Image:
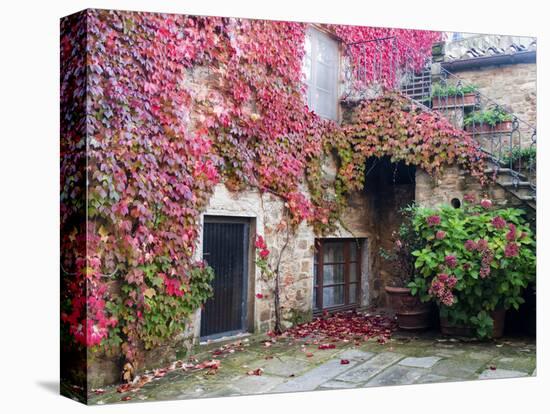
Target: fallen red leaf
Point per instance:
(126, 398)
(309, 355)
(257, 371)
(212, 364)
(344, 361)
(492, 367)
(327, 346)
(123, 388)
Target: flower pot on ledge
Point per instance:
(500, 127)
(498, 315)
(454, 101)
(411, 313)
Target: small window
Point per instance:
(337, 274)
(320, 68)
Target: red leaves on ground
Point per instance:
(309, 354)
(257, 372)
(138, 382)
(229, 348)
(327, 346)
(344, 361)
(159, 373)
(126, 398)
(492, 367)
(344, 326)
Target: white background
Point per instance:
(29, 142)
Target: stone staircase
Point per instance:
(516, 177)
(510, 144)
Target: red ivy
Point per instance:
(156, 147)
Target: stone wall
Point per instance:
(513, 86)
(297, 249)
(454, 183)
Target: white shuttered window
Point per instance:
(321, 73)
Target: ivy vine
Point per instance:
(156, 147)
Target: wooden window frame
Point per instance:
(318, 285)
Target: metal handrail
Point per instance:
(406, 73)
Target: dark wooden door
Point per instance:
(225, 249)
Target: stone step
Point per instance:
(516, 184)
(506, 171)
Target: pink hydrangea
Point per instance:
(441, 288)
(486, 259)
(511, 250)
(448, 299)
(469, 245)
(511, 235)
(498, 222)
(440, 235)
(451, 281)
(469, 198)
(482, 245)
(433, 220)
(486, 203)
(450, 261)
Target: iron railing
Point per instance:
(385, 63)
(509, 141)
(389, 63)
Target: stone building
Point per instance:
(348, 261)
(343, 270)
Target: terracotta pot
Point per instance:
(411, 313)
(500, 127)
(499, 316)
(447, 328)
(439, 102)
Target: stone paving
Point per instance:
(288, 366)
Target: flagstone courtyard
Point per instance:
(260, 364)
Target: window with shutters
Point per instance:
(321, 69)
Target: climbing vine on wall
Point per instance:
(390, 126)
(175, 104)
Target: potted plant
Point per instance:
(490, 121)
(520, 158)
(411, 313)
(475, 264)
(450, 96)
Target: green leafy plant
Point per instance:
(476, 259)
(404, 241)
(452, 90)
(525, 155)
(490, 117)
